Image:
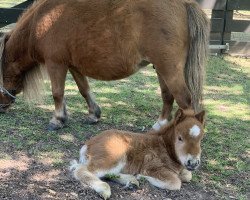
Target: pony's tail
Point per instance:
(199, 29)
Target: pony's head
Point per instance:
(188, 133)
(10, 84)
(17, 74)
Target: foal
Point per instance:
(164, 158)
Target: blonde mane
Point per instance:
(33, 84)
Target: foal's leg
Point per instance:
(168, 101)
(185, 175)
(94, 109)
(126, 179)
(163, 179)
(57, 75)
(82, 174)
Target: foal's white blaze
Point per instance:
(160, 123)
(195, 131)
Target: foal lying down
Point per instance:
(164, 158)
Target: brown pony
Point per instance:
(106, 40)
(165, 157)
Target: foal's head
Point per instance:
(188, 135)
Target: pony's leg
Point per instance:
(163, 179)
(185, 175)
(57, 78)
(126, 179)
(168, 101)
(172, 72)
(82, 174)
(94, 109)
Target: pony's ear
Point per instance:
(179, 116)
(201, 116)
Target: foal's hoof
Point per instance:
(132, 183)
(91, 119)
(54, 127)
(104, 191)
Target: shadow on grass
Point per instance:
(131, 104)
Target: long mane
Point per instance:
(33, 79)
(33, 84)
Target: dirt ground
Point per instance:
(24, 177)
(32, 180)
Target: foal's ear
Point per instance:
(201, 116)
(179, 116)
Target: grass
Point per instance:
(134, 104)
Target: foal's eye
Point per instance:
(180, 138)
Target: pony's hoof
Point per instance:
(91, 120)
(53, 127)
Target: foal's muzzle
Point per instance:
(192, 164)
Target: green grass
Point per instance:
(134, 104)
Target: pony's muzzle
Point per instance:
(192, 164)
(3, 110)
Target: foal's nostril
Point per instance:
(192, 164)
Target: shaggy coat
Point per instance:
(162, 157)
(106, 40)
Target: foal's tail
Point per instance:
(199, 28)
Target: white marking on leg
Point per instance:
(102, 188)
(160, 123)
(73, 165)
(127, 180)
(185, 175)
(83, 155)
(162, 184)
(115, 170)
(195, 131)
(82, 174)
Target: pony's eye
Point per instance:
(180, 138)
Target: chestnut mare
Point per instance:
(165, 158)
(106, 40)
